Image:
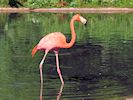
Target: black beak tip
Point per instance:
(86, 23)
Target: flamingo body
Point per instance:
(52, 41)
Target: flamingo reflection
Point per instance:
(59, 93)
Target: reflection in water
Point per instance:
(98, 67)
(86, 56)
(13, 17)
(41, 91)
(59, 93)
(51, 95)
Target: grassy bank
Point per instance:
(71, 3)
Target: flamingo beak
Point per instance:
(83, 20)
(86, 23)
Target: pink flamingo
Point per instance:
(54, 41)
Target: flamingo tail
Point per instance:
(34, 50)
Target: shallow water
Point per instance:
(98, 67)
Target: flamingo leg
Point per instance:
(41, 88)
(41, 76)
(58, 69)
(40, 66)
(60, 92)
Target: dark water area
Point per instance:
(98, 67)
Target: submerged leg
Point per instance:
(60, 92)
(40, 66)
(41, 88)
(41, 76)
(58, 69)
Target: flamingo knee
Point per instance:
(58, 70)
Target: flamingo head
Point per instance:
(80, 19)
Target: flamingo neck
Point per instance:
(73, 35)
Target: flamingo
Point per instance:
(54, 41)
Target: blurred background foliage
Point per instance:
(71, 3)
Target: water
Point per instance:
(98, 67)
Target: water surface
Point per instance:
(98, 67)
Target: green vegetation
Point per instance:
(19, 74)
(3, 3)
(72, 3)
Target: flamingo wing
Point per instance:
(52, 40)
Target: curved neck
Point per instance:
(73, 35)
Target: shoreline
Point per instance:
(68, 10)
